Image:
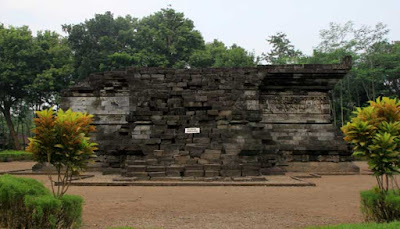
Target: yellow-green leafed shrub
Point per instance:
(26, 203)
(62, 139)
(374, 133)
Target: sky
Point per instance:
(247, 23)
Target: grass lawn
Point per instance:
(14, 155)
(392, 225)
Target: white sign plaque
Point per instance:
(192, 130)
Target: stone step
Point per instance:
(135, 162)
(157, 174)
(137, 174)
(136, 168)
(194, 173)
(155, 168)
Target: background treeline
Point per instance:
(35, 68)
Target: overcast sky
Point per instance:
(244, 22)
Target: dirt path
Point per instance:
(334, 200)
(16, 165)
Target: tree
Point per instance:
(216, 54)
(55, 68)
(16, 66)
(283, 52)
(167, 39)
(386, 59)
(366, 81)
(31, 69)
(62, 139)
(96, 40)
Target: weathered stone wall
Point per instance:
(250, 119)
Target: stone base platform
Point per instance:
(323, 168)
(115, 180)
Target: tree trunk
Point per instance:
(341, 103)
(14, 136)
(23, 134)
(333, 105)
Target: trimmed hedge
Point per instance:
(26, 203)
(378, 206)
(15, 155)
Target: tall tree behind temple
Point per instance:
(96, 40)
(31, 70)
(216, 54)
(164, 39)
(375, 69)
(282, 52)
(167, 39)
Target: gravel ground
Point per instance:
(334, 200)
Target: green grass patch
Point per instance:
(392, 225)
(15, 155)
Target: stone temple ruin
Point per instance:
(155, 122)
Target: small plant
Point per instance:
(62, 140)
(26, 203)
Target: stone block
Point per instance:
(231, 173)
(157, 174)
(176, 168)
(138, 174)
(213, 112)
(152, 168)
(212, 167)
(158, 153)
(174, 174)
(194, 167)
(211, 154)
(202, 161)
(151, 161)
(250, 172)
(211, 173)
(194, 173)
(136, 168)
(201, 140)
(182, 159)
(136, 162)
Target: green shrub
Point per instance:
(15, 155)
(380, 206)
(26, 203)
(392, 225)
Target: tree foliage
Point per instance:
(375, 70)
(31, 70)
(282, 52)
(96, 40)
(167, 39)
(62, 140)
(216, 54)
